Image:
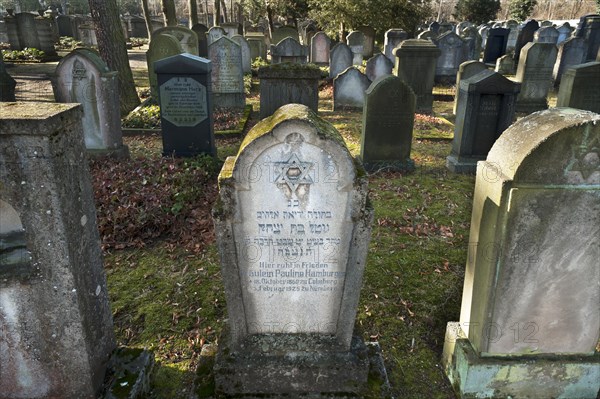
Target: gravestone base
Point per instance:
(306, 365)
(115, 153)
(458, 164)
(229, 100)
(528, 107)
(551, 376)
(128, 375)
(396, 166)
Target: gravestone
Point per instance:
(231, 29)
(415, 65)
(65, 27)
(227, 76)
(535, 75)
(161, 46)
(87, 34)
(388, 118)
(483, 32)
(496, 45)
(258, 45)
(434, 27)
(526, 34)
(293, 225)
(7, 84)
(465, 71)
(564, 32)
(289, 50)
(138, 27)
(530, 298)
(377, 66)
(426, 35)
(201, 32)
(570, 52)
(57, 332)
(369, 43)
(215, 33)
(188, 39)
(453, 52)
(3, 32)
(545, 24)
(45, 33)
(461, 26)
(186, 112)
(307, 32)
(592, 36)
(356, 41)
(580, 87)
(26, 31)
(83, 77)
(246, 61)
(286, 83)
(472, 43)
(340, 59)
(547, 34)
(486, 107)
(393, 38)
(505, 65)
(581, 25)
(349, 89)
(320, 45)
(511, 41)
(284, 32)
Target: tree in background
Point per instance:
(168, 9)
(112, 49)
(477, 11)
(521, 9)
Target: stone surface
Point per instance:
(26, 31)
(535, 75)
(465, 71)
(7, 84)
(286, 83)
(388, 118)
(246, 61)
(289, 50)
(495, 46)
(293, 227)
(349, 89)
(83, 77)
(570, 53)
(202, 34)
(415, 65)
(472, 40)
(65, 27)
(227, 76)
(369, 42)
(526, 33)
(453, 52)
(161, 46)
(215, 33)
(580, 87)
(564, 33)
(319, 48)
(393, 38)
(56, 319)
(592, 36)
(547, 34)
(377, 66)
(505, 65)
(340, 59)
(486, 107)
(284, 32)
(45, 32)
(184, 82)
(187, 38)
(356, 41)
(258, 45)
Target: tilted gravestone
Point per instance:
(161, 46)
(486, 107)
(495, 46)
(535, 74)
(246, 61)
(427, 35)
(453, 52)
(465, 71)
(340, 59)
(186, 113)
(83, 77)
(320, 45)
(529, 322)
(188, 39)
(286, 83)
(349, 89)
(377, 66)
(293, 226)
(356, 41)
(393, 38)
(415, 65)
(57, 334)
(289, 50)
(580, 87)
(227, 76)
(7, 84)
(571, 52)
(388, 118)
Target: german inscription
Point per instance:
(183, 101)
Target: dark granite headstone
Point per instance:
(465, 71)
(525, 36)
(201, 31)
(592, 36)
(535, 75)
(186, 115)
(570, 52)
(65, 27)
(495, 46)
(580, 87)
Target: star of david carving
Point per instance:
(293, 172)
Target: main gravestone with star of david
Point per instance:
(293, 226)
(185, 105)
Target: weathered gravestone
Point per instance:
(495, 46)
(87, 33)
(369, 43)
(232, 28)
(580, 87)
(505, 65)
(483, 32)
(377, 66)
(215, 33)
(201, 32)
(7, 84)
(486, 107)
(535, 74)
(246, 61)
(526, 33)
(564, 32)
(258, 45)
(511, 41)
(57, 335)
(320, 45)
(465, 71)
(547, 34)
(340, 59)
(293, 226)
(453, 52)
(289, 50)
(188, 39)
(161, 46)
(592, 36)
(349, 89)
(284, 32)
(65, 27)
(388, 118)
(472, 40)
(45, 32)
(426, 35)
(137, 27)
(186, 115)
(393, 38)
(286, 83)
(227, 76)
(83, 77)
(529, 321)
(26, 31)
(570, 53)
(356, 41)
(415, 65)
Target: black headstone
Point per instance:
(185, 99)
(495, 46)
(201, 31)
(525, 36)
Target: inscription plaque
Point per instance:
(183, 101)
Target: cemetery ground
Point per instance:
(163, 270)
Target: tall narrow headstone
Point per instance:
(465, 71)
(526, 33)
(580, 87)
(486, 107)
(356, 41)
(453, 52)
(513, 27)
(340, 59)
(227, 76)
(570, 53)
(319, 48)
(415, 65)
(161, 46)
(65, 27)
(45, 32)
(246, 61)
(377, 66)
(529, 322)
(472, 40)
(293, 226)
(369, 43)
(393, 38)
(349, 89)
(388, 118)
(535, 75)
(57, 334)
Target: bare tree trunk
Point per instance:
(193, 7)
(206, 10)
(168, 9)
(225, 19)
(217, 14)
(146, 12)
(65, 7)
(270, 19)
(111, 45)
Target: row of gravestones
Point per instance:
(293, 224)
